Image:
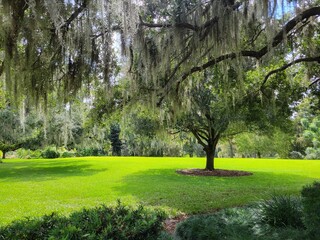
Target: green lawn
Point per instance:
(36, 187)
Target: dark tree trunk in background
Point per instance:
(3, 155)
(259, 154)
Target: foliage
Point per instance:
(311, 204)
(28, 154)
(10, 134)
(67, 154)
(50, 153)
(282, 211)
(19, 130)
(259, 144)
(84, 152)
(115, 139)
(63, 122)
(102, 222)
(311, 134)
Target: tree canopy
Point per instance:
(213, 60)
(62, 44)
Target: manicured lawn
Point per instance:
(37, 187)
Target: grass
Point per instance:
(37, 187)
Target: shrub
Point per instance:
(102, 222)
(311, 204)
(296, 155)
(50, 153)
(232, 223)
(28, 154)
(85, 152)
(282, 211)
(67, 155)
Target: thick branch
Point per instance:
(284, 67)
(200, 141)
(289, 26)
(314, 82)
(75, 14)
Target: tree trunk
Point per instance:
(259, 154)
(231, 148)
(3, 154)
(210, 153)
(210, 159)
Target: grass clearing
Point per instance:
(41, 186)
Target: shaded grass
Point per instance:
(37, 187)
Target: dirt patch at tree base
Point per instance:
(216, 172)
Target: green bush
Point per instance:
(103, 222)
(85, 152)
(234, 223)
(28, 154)
(50, 153)
(67, 155)
(282, 211)
(311, 204)
(240, 223)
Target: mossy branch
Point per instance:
(284, 67)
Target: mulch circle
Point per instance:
(216, 172)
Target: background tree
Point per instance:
(14, 134)
(115, 139)
(311, 135)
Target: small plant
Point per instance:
(67, 154)
(282, 211)
(311, 204)
(50, 153)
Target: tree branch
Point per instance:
(74, 15)
(284, 67)
(169, 25)
(314, 82)
(200, 141)
(1, 68)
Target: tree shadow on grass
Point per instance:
(43, 171)
(195, 194)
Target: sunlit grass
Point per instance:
(37, 187)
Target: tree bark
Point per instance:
(3, 154)
(231, 148)
(210, 159)
(210, 153)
